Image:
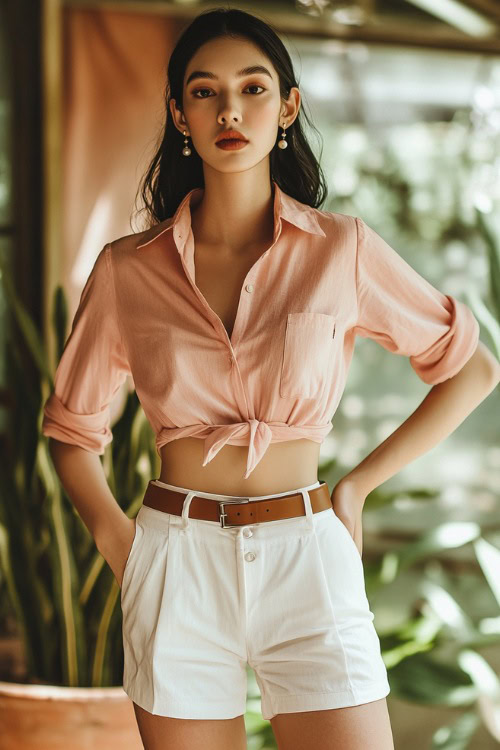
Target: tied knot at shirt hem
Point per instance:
(253, 432)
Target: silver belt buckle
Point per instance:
(222, 515)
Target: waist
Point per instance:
(285, 466)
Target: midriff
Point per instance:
(284, 466)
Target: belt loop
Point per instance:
(185, 510)
(308, 509)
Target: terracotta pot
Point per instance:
(51, 717)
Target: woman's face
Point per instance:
(220, 99)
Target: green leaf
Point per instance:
(448, 610)
(424, 679)
(480, 672)
(488, 557)
(456, 736)
(28, 329)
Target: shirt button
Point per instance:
(249, 287)
(247, 532)
(249, 557)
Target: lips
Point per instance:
(231, 135)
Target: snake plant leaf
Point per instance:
(12, 590)
(101, 659)
(65, 580)
(66, 593)
(91, 577)
(27, 396)
(26, 324)
(20, 562)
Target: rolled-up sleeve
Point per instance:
(92, 366)
(406, 315)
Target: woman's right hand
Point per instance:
(117, 546)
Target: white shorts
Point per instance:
(287, 597)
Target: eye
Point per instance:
(196, 91)
(250, 86)
(255, 86)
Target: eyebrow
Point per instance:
(250, 70)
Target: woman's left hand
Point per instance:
(348, 503)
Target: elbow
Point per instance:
(488, 365)
(482, 367)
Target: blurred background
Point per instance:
(406, 97)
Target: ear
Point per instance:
(178, 117)
(290, 108)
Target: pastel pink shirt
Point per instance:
(326, 278)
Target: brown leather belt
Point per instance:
(240, 511)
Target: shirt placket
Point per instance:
(247, 297)
(248, 292)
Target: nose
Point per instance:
(232, 118)
(229, 113)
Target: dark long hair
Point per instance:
(171, 175)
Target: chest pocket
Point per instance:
(309, 338)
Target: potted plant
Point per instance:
(63, 595)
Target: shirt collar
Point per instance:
(285, 207)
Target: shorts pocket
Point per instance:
(307, 349)
(138, 533)
(342, 562)
(347, 533)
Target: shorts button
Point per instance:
(249, 556)
(249, 287)
(247, 532)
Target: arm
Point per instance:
(76, 416)
(82, 476)
(406, 315)
(444, 408)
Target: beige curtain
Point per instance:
(114, 80)
(113, 101)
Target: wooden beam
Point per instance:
(386, 30)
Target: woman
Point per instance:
(236, 314)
